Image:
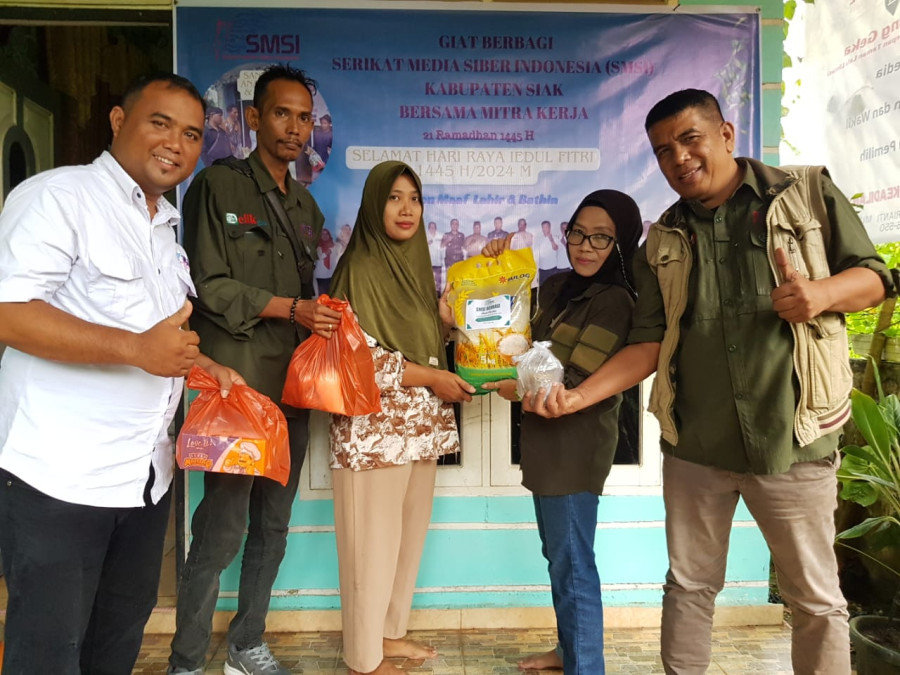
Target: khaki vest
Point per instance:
(820, 355)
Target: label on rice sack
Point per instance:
(223, 454)
(491, 303)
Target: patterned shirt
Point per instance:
(413, 424)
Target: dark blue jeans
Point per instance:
(218, 531)
(567, 525)
(82, 581)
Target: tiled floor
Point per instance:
(736, 651)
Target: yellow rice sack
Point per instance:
(491, 302)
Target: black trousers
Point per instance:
(230, 506)
(82, 581)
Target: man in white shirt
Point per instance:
(93, 290)
(522, 237)
(546, 250)
(475, 241)
(562, 253)
(437, 254)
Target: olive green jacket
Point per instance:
(574, 453)
(240, 259)
(820, 351)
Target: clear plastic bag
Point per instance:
(538, 368)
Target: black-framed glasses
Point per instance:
(598, 241)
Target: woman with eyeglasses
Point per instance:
(585, 314)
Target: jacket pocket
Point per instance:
(250, 256)
(670, 251)
(762, 271)
(812, 249)
(592, 349)
(828, 368)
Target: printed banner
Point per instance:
(850, 98)
(509, 118)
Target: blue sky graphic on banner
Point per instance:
(515, 115)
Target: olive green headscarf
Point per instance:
(390, 284)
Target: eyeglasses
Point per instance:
(598, 241)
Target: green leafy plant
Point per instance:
(866, 321)
(870, 474)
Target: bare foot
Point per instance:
(408, 649)
(384, 668)
(546, 661)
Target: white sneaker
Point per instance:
(253, 661)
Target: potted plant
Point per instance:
(870, 476)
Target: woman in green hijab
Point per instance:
(384, 464)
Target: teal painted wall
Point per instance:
(500, 564)
(492, 557)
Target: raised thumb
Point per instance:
(784, 265)
(182, 315)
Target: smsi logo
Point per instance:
(272, 44)
(236, 40)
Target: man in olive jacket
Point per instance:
(250, 232)
(734, 311)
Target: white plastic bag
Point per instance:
(537, 369)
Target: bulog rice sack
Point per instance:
(491, 303)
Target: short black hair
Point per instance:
(138, 84)
(325, 117)
(679, 101)
(281, 71)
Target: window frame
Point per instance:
(485, 468)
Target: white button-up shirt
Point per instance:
(545, 253)
(81, 239)
(562, 255)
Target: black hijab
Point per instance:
(616, 270)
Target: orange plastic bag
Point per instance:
(335, 375)
(245, 433)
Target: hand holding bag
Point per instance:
(245, 433)
(334, 375)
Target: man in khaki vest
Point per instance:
(726, 298)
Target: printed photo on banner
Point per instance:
(507, 117)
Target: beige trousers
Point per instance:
(381, 518)
(795, 513)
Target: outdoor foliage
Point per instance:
(864, 322)
(870, 474)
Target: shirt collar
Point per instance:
(133, 192)
(750, 178)
(266, 183)
(749, 181)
